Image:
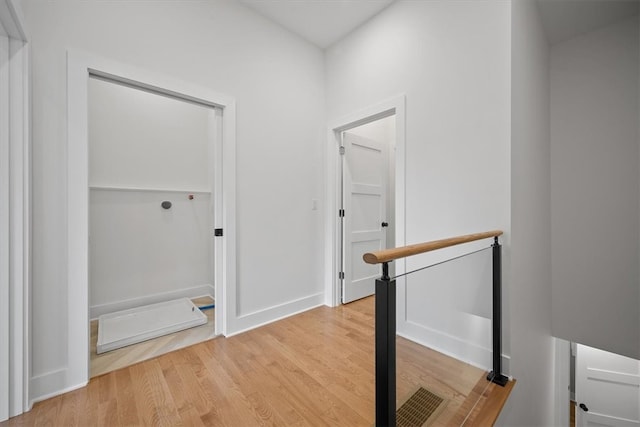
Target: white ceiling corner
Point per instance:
(324, 22)
(321, 22)
(564, 19)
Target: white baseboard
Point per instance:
(457, 348)
(268, 315)
(50, 384)
(53, 383)
(194, 292)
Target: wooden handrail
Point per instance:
(387, 255)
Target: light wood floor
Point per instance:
(126, 356)
(315, 368)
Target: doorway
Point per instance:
(81, 67)
(367, 212)
(393, 110)
(151, 257)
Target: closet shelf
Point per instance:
(156, 190)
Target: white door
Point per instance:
(365, 175)
(607, 389)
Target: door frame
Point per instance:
(562, 373)
(393, 106)
(80, 66)
(15, 211)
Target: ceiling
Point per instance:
(564, 19)
(322, 22)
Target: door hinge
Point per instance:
(341, 275)
(341, 213)
(342, 150)
(217, 232)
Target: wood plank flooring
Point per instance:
(315, 368)
(110, 361)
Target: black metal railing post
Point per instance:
(385, 323)
(496, 375)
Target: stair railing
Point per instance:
(385, 318)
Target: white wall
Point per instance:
(277, 82)
(143, 140)
(452, 60)
(532, 351)
(140, 253)
(595, 187)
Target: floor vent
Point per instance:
(420, 407)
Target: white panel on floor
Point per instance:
(123, 328)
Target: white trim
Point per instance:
(194, 97)
(561, 381)
(5, 228)
(77, 225)
(20, 226)
(80, 66)
(216, 176)
(15, 213)
(193, 292)
(395, 105)
(26, 172)
(226, 291)
(265, 316)
(48, 385)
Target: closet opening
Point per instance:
(152, 209)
